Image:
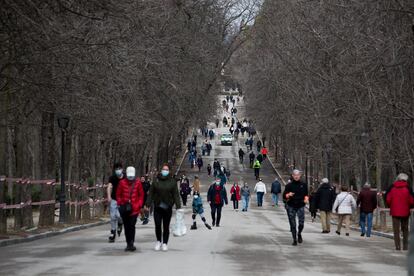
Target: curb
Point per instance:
(51, 233)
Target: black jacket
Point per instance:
(301, 191)
(276, 187)
(325, 197)
(211, 195)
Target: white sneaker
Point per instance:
(157, 246)
(164, 247)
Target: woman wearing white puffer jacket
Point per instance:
(343, 206)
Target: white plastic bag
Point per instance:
(179, 227)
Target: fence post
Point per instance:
(3, 213)
(27, 210)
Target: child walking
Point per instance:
(198, 210)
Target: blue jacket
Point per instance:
(198, 205)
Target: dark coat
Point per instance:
(211, 194)
(325, 197)
(276, 187)
(367, 199)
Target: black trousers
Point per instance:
(129, 227)
(216, 209)
(162, 217)
(235, 204)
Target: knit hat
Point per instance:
(130, 172)
(402, 176)
(325, 180)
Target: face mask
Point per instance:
(131, 177)
(217, 182)
(196, 196)
(165, 172)
(118, 172)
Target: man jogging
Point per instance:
(296, 195)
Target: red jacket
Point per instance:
(265, 151)
(123, 193)
(400, 199)
(237, 191)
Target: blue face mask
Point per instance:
(131, 178)
(165, 173)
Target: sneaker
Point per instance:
(208, 226)
(362, 234)
(157, 246)
(300, 240)
(164, 247)
(145, 222)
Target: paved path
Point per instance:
(254, 243)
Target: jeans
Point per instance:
(292, 213)
(260, 198)
(129, 226)
(245, 202)
(162, 216)
(115, 216)
(216, 208)
(235, 204)
(365, 217)
(275, 199)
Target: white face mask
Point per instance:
(196, 196)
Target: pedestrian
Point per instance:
(216, 167)
(199, 163)
(185, 189)
(231, 129)
(296, 196)
(260, 190)
(217, 122)
(164, 195)
(116, 220)
(130, 198)
(260, 158)
(324, 200)
(252, 156)
(259, 145)
(367, 201)
(189, 145)
(235, 195)
(209, 148)
(192, 158)
(209, 170)
(211, 134)
(196, 184)
(264, 152)
(245, 193)
(204, 148)
(198, 210)
(275, 191)
(146, 185)
(241, 155)
(312, 203)
(256, 167)
(343, 206)
(400, 200)
(222, 176)
(194, 144)
(225, 121)
(216, 197)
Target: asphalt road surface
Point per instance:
(257, 242)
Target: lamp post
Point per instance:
(329, 160)
(63, 123)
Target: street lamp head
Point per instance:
(63, 121)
